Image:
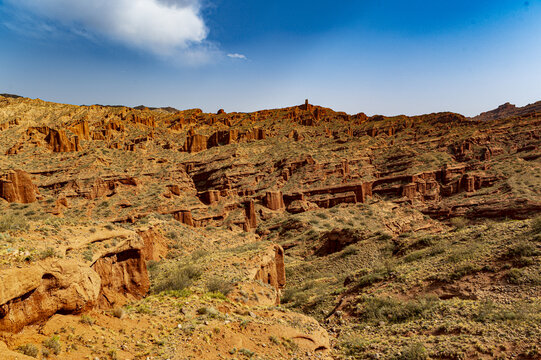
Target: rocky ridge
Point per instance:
(81, 184)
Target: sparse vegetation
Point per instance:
(177, 278)
(392, 310)
(53, 344)
(11, 222)
(29, 350)
(219, 285)
(87, 319)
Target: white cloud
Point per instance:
(164, 27)
(237, 56)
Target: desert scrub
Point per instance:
(87, 319)
(354, 346)
(379, 273)
(375, 309)
(415, 351)
(177, 278)
(520, 250)
(459, 222)
(47, 253)
(490, 311)
(219, 285)
(29, 350)
(295, 297)
(349, 250)
(12, 222)
(536, 225)
(53, 344)
(88, 254)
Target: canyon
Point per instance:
(299, 232)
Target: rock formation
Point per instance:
(195, 142)
(36, 293)
(16, 186)
(274, 200)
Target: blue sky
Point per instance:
(379, 57)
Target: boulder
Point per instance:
(35, 294)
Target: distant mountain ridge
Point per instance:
(508, 110)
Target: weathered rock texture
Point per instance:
(123, 272)
(35, 294)
(16, 186)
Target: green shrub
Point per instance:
(536, 225)
(88, 254)
(380, 273)
(178, 278)
(152, 265)
(219, 285)
(349, 250)
(515, 276)
(87, 319)
(393, 310)
(459, 222)
(12, 222)
(295, 297)
(198, 254)
(466, 269)
(47, 253)
(29, 350)
(354, 346)
(415, 351)
(521, 249)
(519, 311)
(53, 344)
(246, 352)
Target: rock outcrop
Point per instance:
(251, 217)
(59, 142)
(123, 272)
(16, 186)
(34, 294)
(195, 142)
(274, 200)
(271, 269)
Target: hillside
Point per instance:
(294, 233)
(508, 110)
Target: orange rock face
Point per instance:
(155, 245)
(59, 286)
(272, 270)
(195, 143)
(251, 219)
(58, 141)
(124, 276)
(16, 186)
(274, 200)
